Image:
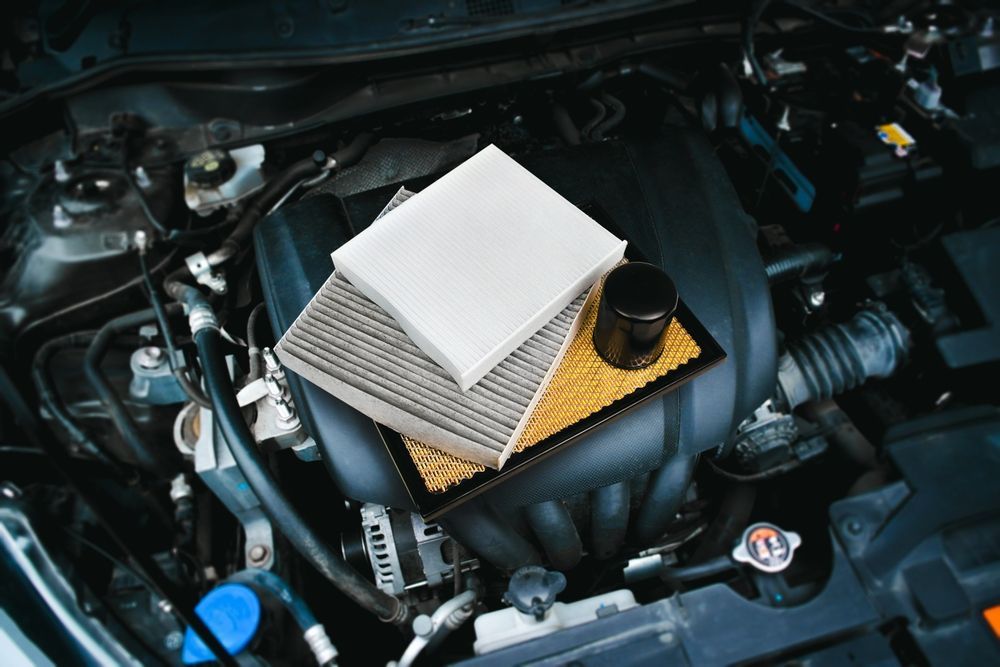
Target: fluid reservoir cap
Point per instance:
(636, 307)
(210, 169)
(766, 547)
(233, 613)
(532, 590)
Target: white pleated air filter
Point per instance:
(353, 349)
(472, 266)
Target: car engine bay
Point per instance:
(816, 179)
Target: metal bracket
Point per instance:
(203, 273)
(215, 465)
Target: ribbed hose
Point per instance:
(279, 509)
(797, 261)
(841, 357)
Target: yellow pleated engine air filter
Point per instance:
(582, 385)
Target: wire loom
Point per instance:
(582, 385)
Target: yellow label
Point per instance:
(893, 134)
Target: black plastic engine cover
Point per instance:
(672, 199)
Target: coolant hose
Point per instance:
(841, 357)
(553, 526)
(313, 631)
(798, 261)
(279, 509)
(664, 496)
(161, 461)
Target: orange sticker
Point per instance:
(762, 534)
(992, 616)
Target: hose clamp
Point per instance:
(202, 317)
(320, 644)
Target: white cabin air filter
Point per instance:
(472, 266)
(350, 347)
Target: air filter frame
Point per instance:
(432, 505)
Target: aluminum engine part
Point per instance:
(153, 381)
(215, 465)
(406, 553)
(276, 424)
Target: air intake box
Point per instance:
(671, 199)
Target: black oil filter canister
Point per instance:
(636, 306)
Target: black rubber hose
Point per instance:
(190, 389)
(664, 496)
(162, 461)
(609, 509)
(555, 530)
(599, 114)
(798, 261)
(668, 78)
(611, 122)
(757, 9)
(732, 518)
(565, 126)
(283, 515)
(284, 181)
(676, 577)
(116, 523)
(253, 350)
(49, 398)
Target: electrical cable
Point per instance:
(191, 390)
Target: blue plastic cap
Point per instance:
(232, 613)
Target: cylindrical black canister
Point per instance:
(636, 307)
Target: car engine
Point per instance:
(816, 180)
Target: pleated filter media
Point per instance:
(349, 346)
(477, 262)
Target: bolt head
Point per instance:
(817, 298)
(60, 218)
(852, 526)
(173, 641)
(60, 172)
(258, 553)
(423, 625)
(151, 357)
